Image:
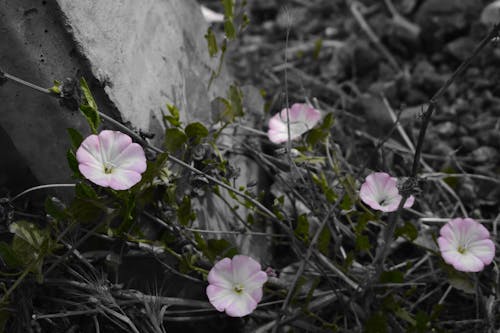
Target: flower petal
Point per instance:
(222, 274)
(220, 297)
(483, 249)
(113, 143)
(255, 282)
(244, 268)
(242, 305)
(131, 158)
(302, 118)
(468, 262)
(95, 174)
(121, 179)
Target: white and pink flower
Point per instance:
(466, 245)
(380, 192)
(235, 285)
(302, 118)
(111, 159)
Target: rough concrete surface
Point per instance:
(147, 54)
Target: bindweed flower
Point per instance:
(380, 192)
(111, 159)
(466, 245)
(235, 285)
(302, 119)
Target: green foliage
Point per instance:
(185, 214)
(302, 229)
(324, 241)
(89, 107)
(56, 88)
(73, 163)
(232, 106)
(175, 138)
(377, 323)
(30, 245)
(211, 42)
(196, 132)
(408, 230)
(318, 44)
(215, 248)
(76, 138)
(393, 276)
(174, 117)
(320, 133)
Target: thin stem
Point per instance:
(25, 83)
(40, 187)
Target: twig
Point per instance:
(41, 187)
(355, 5)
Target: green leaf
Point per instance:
(175, 138)
(362, 243)
(196, 132)
(56, 88)
(228, 8)
(393, 276)
(422, 321)
(377, 323)
(76, 138)
(89, 107)
(9, 256)
(346, 203)
(302, 228)
(85, 210)
(31, 244)
(219, 248)
(73, 162)
(236, 98)
(408, 231)
(54, 209)
(211, 42)
(462, 282)
(324, 241)
(184, 213)
(317, 48)
(229, 29)
(85, 191)
(4, 317)
(87, 95)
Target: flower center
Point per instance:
(108, 167)
(238, 288)
(461, 249)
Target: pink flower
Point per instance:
(111, 159)
(466, 245)
(236, 285)
(379, 191)
(302, 119)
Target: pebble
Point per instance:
(468, 143)
(446, 129)
(485, 154)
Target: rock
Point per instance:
(485, 154)
(425, 76)
(441, 148)
(443, 20)
(491, 14)
(461, 48)
(158, 56)
(468, 143)
(446, 129)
